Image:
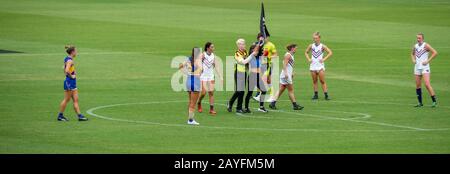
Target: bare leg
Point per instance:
(211, 92)
(76, 107)
(202, 92)
(426, 79)
(193, 100)
(280, 92)
(290, 89)
(322, 81)
(314, 80)
(418, 81)
(62, 106)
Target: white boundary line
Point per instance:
(405, 128)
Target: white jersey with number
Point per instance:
(421, 55)
(208, 67)
(316, 57)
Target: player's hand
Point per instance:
(309, 60)
(414, 61)
(425, 62)
(286, 74)
(321, 60)
(73, 76)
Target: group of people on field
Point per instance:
(252, 71)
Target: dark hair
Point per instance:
(250, 50)
(69, 49)
(290, 46)
(207, 45)
(259, 35)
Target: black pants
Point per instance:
(240, 79)
(255, 80)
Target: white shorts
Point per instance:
(422, 70)
(207, 77)
(316, 67)
(286, 81)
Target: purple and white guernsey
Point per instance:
(316, 57)
(421, 55)
(208, 67)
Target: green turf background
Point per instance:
(125, 52)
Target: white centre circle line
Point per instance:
(91, 112)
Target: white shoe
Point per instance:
(263, 110)
(193, 122)
(257, 98)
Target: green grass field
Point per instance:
(124, 74)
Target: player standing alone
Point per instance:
(286, 76)
(317, 66)
(207, 77)
(70, 86)
(421, 60)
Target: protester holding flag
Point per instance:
(268, 52)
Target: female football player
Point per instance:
(70, 85)
(421, 59)
(193, 68)
(317, 65)
(207, 77)
(286, 76)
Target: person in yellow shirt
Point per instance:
(240, 75)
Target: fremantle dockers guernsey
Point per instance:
(316, 56)
(208, 65)
(421, 53)
(289, 67)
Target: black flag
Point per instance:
(262, 23)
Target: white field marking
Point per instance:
(91, 112)
(386, 103)
(364, 115)
(377, 103)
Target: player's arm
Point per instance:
(329, 53)
(413, 56)
(182, 68)
(433, 54)
(67, 69)
(250, 57)
(287, 57)
(308, 49)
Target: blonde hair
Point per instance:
(316, 34)
(240, 40)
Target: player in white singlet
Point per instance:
(421, 59)
(317, 64)
(286, 76)
(207, 77)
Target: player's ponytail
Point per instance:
(69, 49)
